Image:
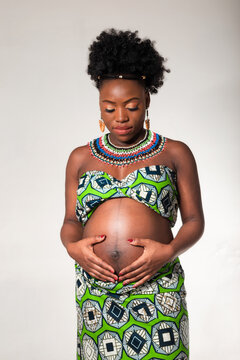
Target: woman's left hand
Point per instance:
(155, 255)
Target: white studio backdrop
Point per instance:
(49, 106)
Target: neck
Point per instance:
(130, 142)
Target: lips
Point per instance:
(122, 127)
(122, 130)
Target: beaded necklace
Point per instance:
(105, 151)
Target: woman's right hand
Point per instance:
(82, 252)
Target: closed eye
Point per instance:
(133, 109)
(130, 109)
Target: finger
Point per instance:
(138, 242)
(100, 276)
(136, 264)
(96, 239)
(142, 281)
(133, 273)
(135, 278)
(96, 260)
(107, 274)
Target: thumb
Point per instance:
(98, 238)
(137, 242)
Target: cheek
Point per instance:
(107, 120)
(141, 115)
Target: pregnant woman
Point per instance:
(123, 191)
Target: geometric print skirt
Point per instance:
(116, 321)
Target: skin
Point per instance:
(127, 252)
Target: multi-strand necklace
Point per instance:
(104, 150)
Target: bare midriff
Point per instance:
(121, 219)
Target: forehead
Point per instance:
(121, 89)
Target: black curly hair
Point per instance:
(123, 52)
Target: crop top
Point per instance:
(154, 185)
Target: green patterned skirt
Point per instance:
(117, 321)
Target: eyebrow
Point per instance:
(112, 102)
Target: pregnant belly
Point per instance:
(122, 219)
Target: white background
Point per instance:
(49, 106)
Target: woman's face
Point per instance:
(123, 104)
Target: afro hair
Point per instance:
(123, 52)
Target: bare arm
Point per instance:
(72, 229)
(79, 248)
(190, 203)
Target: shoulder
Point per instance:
(177, 147)
(79, 153)
(78, 158)
(180, 153)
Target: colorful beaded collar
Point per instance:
(105, 151)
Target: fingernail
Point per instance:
(125, 283)
(115, 277)
(130, 240)
(112, 271)
(120, 274)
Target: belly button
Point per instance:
(115, 254)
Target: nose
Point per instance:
(121, 115)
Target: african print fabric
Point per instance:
(117, 321)
(154, 185)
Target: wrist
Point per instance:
(172, 252)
